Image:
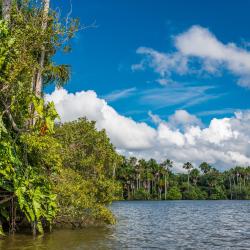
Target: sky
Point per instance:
(166, 79)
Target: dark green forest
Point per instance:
(56, 174)
(149, 180)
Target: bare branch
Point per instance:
(84, 27)
(69, 14)
(11, 119)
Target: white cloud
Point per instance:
(198, 43)
(164, 81)
(162, 63)
(167, 136)
(225, 142)
(217, 112)
(239, 158)
(183, 118)
(176, 95)
(119, 94)
(219, 130)
(155, 118)
(123, 131)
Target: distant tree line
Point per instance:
(149, 180)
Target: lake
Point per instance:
(154, 225)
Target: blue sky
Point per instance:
(102, 57)
(151, 58)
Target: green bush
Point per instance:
(174, 193)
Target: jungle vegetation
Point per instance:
(66, 174)
(49, 175)
(149, 180)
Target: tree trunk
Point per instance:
(6, 9)
(235, 190)
(149, 186)
(165, 187)
(39, 82)
(114, 170)
(160, 190)
(128, 193)
(1, 228)
(230, 183)
(33, 225)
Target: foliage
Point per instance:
(174, 193)
(29, 154)
(148, 180)
(37, 161)
(77, 200)
(86, 184)
(70, 173)
(141, 194)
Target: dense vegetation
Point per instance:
(145, 180)
(48, 175)
(86, 181)
(67, 174)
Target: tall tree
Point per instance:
(205, 167)
(167, 164)
(39, 80)
(188, 166)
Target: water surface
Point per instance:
(154, 225)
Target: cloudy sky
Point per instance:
(166, 79)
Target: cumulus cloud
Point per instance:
(224, 142)
(124, 132)
(183, 118)
(200, 45)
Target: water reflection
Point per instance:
(61, 239)
(158, 225)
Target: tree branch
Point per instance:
(7, 199)
(11, 119)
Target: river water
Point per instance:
(154, 225)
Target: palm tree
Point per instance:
(194, 174)
(141, 172)
(205, 167)
(167, 164)
(188, 166)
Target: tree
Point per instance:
(167, 164)
(188, 166)
(212, 184)
(194, 175)
(85, 184)
(39, 80)
(26, 167)
(174, 193)
(205, 167)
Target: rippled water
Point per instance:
(155, 225)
